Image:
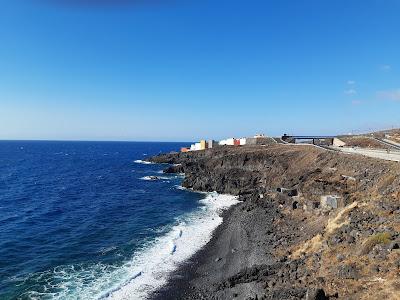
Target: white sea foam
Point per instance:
(148, 269)
(149, 178)
(143, 162)
(165, 255)
(154, 178)
(104, 251)
(182, 188)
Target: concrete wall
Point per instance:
(331, 202)
(259, 141)
(338, 142)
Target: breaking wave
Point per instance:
(146, 271)
(143, 162)
(155, 178)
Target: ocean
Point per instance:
(83, 220)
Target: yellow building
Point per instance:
(203, 145)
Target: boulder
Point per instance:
(316, 294)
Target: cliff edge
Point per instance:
(312, 224)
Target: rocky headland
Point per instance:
(284, 240)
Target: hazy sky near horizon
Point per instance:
(184, 70)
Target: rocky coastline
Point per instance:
(282, 241)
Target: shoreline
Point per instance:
(234, 246)
(237, 246)
(167, 253)
(177, 286)
(284, 241)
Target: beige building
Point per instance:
(203, 145)
(338, 142)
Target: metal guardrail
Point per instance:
(388, 143)
(307, 137)
(392, 155)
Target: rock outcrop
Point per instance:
(280, 243)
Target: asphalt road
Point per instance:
(393, 155)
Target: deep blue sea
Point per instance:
(80, 220)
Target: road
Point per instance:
(393, 155)
(389, 143)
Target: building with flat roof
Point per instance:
(212, 144)
(227, 142)
(203, 145)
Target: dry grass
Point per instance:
(372, 241)
(362, 142)
(381, 288)
(315, 243)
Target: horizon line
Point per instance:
(73, 140)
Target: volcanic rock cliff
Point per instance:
(313, 224)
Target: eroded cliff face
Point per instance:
(348, 251)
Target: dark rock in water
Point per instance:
(169, 170)
(174, 169)
(316, 294)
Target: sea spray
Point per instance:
(85, 216)
(158, 261)
(143, 162)
(148, 269)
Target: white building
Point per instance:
(212, 144)
(243, 141)
(229, 142)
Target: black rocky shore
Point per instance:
(280, 242)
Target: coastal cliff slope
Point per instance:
(282, 241)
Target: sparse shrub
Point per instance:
(376, 239)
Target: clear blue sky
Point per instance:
(181, 70)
